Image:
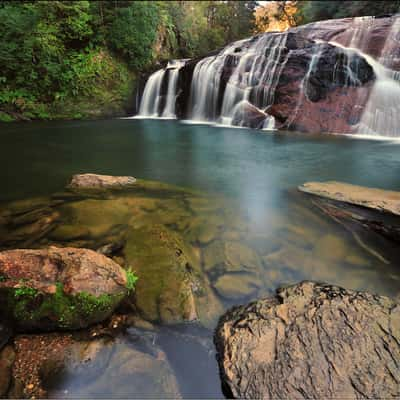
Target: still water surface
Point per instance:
(256, 172)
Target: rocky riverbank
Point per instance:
(69, 262)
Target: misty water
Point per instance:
(253, 175)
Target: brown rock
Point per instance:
(59, 287)
(100, 181)
(375, 199)
(7, 356)
(311, 341)
(237, 286)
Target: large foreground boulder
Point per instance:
(65, 288)
(311, 341)
(100, 181)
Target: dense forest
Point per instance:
(79, 59)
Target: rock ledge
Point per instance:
(100, 181)
(375, 199)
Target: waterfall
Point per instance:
(240, 84)
(255, 65)
(152, 95)
(254, 79)
(381, 115)
(239, 97)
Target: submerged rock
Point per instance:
(167, 270)
(65, 288)
(100, 181)
(237, 286)
(311, 341)
(230, 256)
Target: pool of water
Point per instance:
(251, 176)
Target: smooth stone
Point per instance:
(237, 286)
(138, 369)
(230, 256)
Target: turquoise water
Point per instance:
(256, 171)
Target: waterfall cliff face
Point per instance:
(339, 76)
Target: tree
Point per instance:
(134, 31)
(277, 16)
(320, 10)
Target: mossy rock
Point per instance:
(167, 269)
(59, 288)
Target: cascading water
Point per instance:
(150, 104)
(151, 95)
(254, 79)
(303, 81)
(381, 115)
(255, 65)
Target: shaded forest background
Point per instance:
(80, 59)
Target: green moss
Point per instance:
(131, 280)
(29, 306)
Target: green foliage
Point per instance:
(73, 59)
(131, 280)
(310, 11)
(199, 27)
(134, 31)
(27, 292)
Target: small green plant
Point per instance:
(25, 292)
(2, 278)
(131, 280)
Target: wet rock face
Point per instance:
(100, 181)
(311, 341)
(328, 96)
(54, 288)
